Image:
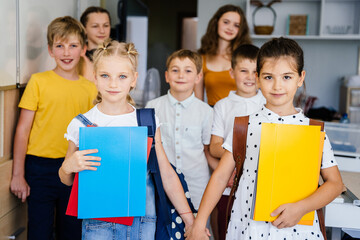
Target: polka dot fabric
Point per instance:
(177, 225)
(240, 225)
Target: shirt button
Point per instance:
(178, 157)
(178, 114)
(177, 142)
(177, 129)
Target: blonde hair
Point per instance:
(63, 27)
(119, 49)
(184, 53)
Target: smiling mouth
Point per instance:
(278, 94)
(249, 84)
(113, 92)
(67, 61)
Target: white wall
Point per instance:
(24, 25)
(326, 61)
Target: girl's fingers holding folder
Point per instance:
(288, 215)
(81, 160)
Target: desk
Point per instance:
(341, 214)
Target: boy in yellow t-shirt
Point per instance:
(50, 101)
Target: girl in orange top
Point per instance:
(226, 30)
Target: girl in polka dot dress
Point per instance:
(279, 74)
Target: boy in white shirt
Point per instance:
(186, 122)
(246, 100)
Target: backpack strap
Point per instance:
(146, 117)
(85, 121)
(320, 211)
(239, 152)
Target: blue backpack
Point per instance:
(169, 224)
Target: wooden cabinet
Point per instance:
(327, 19)
(13, 214)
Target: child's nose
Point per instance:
(277, 84)
(66, 51)
(112, 82)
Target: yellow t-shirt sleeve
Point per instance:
(30, 98)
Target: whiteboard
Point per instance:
(23, 24)
(34, 17)
(8, 43)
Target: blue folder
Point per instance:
(118, 187)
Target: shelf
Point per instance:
(327, 19)
(310, 37)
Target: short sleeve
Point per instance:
(72, 133)
(328, 159)
(157, 122)
(30, 98)
(228, 142)
(206, 131)
(218, 126)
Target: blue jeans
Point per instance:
(143, 228)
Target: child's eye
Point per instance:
(122, 76)
(287, 77)
(188, 71)
(58, 46)
(104, 75)
(243, 70)
(174, 70)
(267, 77)
(74, 45)
(226, 21)
(237, 25)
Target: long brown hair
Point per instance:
(209, 42)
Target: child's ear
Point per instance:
(232, 73)
(50, 51)
(166, 76)
(133, 83)
(83, 51)
(302, 78)
(199, 76)
(257, 80)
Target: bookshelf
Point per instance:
(327, 19)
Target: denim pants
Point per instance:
(47, 196)
(143, 228)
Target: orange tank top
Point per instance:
(217, 84)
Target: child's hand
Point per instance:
(289, 215)
(231, 179)
(80, 160)
(19, 187)
(195, 233)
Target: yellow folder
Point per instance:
(289, 167)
